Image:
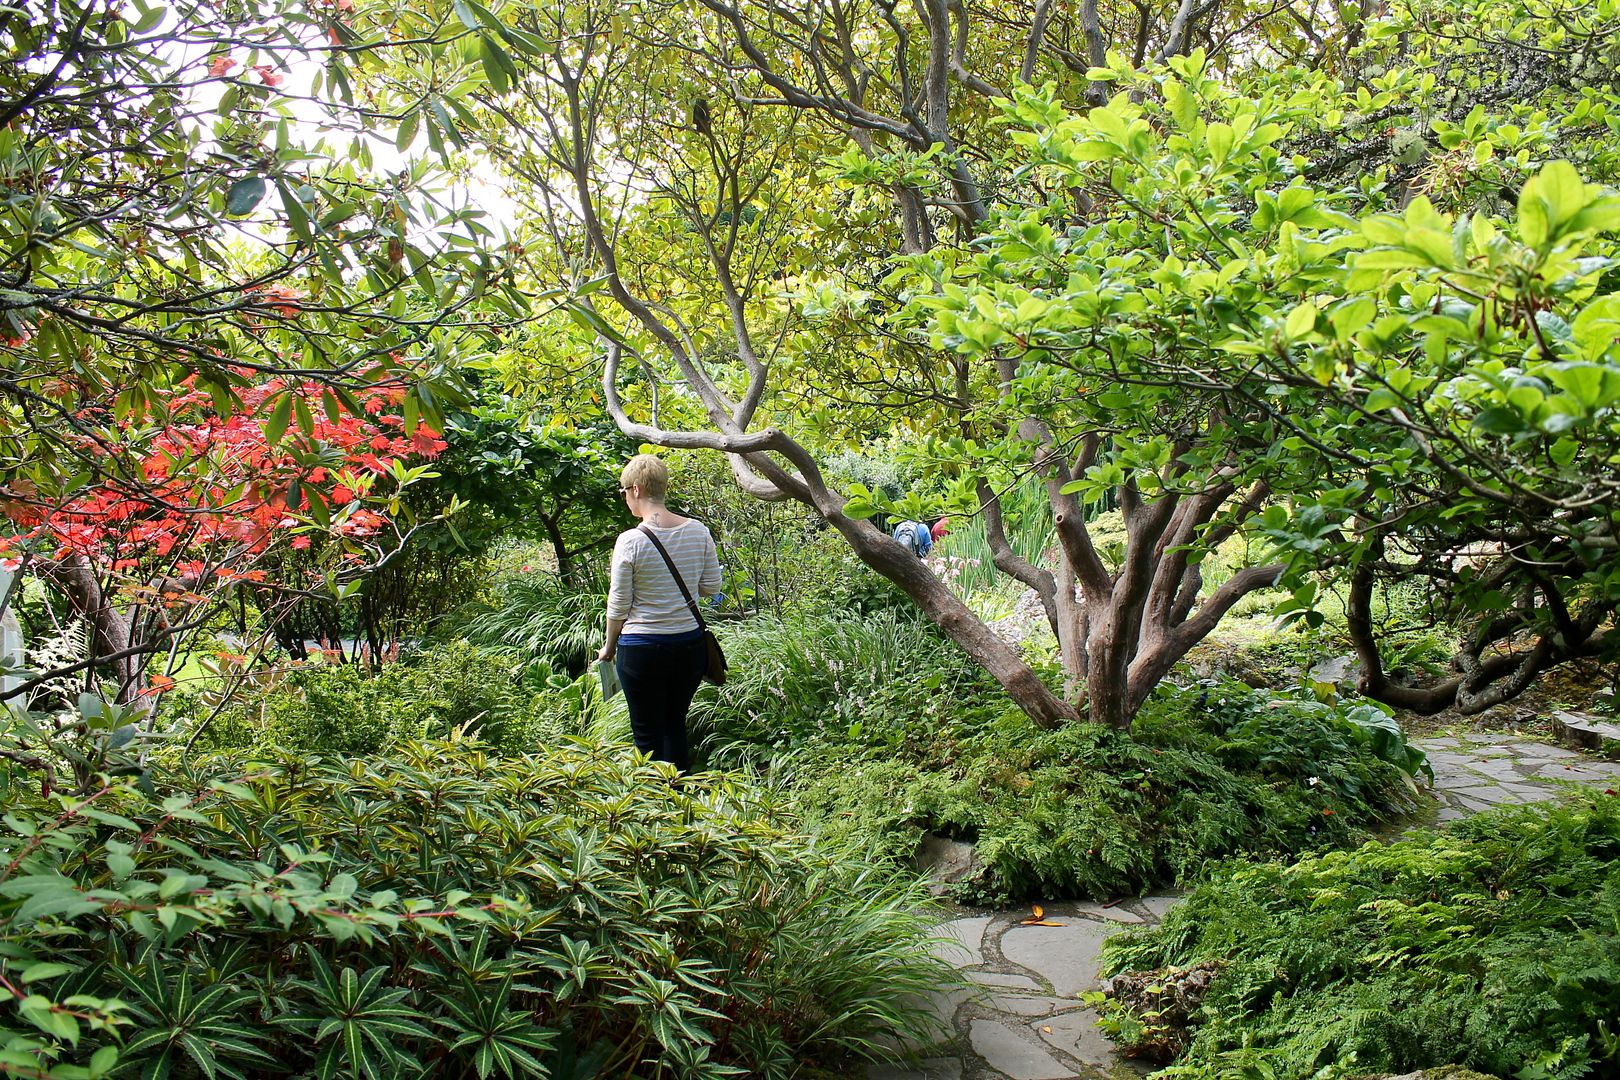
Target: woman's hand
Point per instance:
(605, 653)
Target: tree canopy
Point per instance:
(1332, 278)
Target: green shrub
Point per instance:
(809, 677)
(1085, 811)
(545, 621)
(1494, 945)
(347, 710)
(441, 912)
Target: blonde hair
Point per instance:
(648, 473)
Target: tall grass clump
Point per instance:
(440, 912)
(540, 618)
(1027, 516)
(1494, 945)
(808, 677)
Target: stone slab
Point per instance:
(1158, 906)
(1065, 956)
(1004, 980)
(1030, 1004)
(1499, 770)
(1077, 1035)
(1543, 751)
(1115, 913)
(1585, 730)
(941, 1007)
(1583, 773)
(939, 1068)
(1484, 792)
(962, 941)
(1008, 1052)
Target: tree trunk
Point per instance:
(111, 631)
(897, 563)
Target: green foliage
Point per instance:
(540, 617)
(882, 731)
(441, 912)
(777, 558)
(544, 470)
(344, 709)
(812, 677)
(1495, 945)
(1393, 375)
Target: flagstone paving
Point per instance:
(1025, 1021)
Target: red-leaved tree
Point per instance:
(191, 494)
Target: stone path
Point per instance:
(1024, 1020)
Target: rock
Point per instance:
(1077, 1035)
(1342, 671)
(1032, 1005)
(1003, 981)
(1112, 914)
(1065, 956)
(1586, 732)
(1006, 1051)
(962, 941)
(947, 861)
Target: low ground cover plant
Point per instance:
(440, 911)
(1494, 944)
(880, 731)
(346, 709)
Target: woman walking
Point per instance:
(653, 635)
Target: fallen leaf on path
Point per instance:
(1039, 918)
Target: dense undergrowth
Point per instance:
(514, 703)
(439, 911)
(1494, 944)
(881, 731)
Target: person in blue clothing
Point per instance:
(914, 535)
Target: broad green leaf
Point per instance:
(244, 195)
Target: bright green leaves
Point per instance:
(1591, 386)
(1556, 204)
(1295, 203)
(1128, 130)
(1422, 237)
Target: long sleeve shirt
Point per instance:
(641, 590)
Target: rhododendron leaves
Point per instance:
(244, 195)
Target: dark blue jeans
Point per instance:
(659, 681)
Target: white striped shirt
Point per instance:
(641, 590)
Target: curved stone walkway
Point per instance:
(1025, 1022)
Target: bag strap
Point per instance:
(679, 581)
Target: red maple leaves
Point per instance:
(219, 490)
